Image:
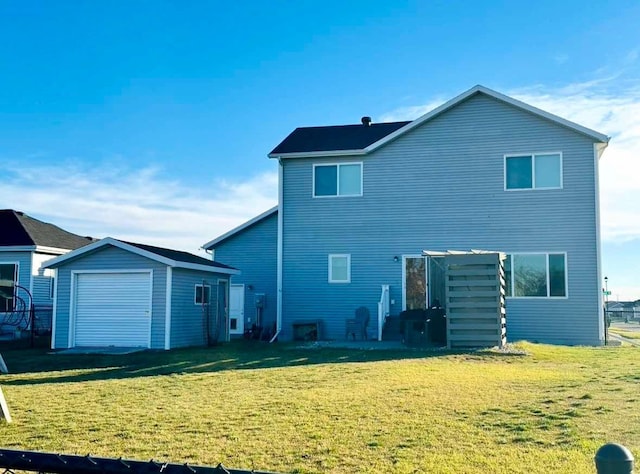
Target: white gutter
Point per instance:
(602, 331)
(279, 252)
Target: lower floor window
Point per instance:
(8, 276)
(339, 268)
(202, 295)
(542, 275)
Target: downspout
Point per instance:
(598, 149)
(279, 253)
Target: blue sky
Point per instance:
(151, 120)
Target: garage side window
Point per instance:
(202, 294)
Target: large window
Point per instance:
(339, 268)
(343, 179)
(203, 293)
(8, 278)
(536, 275)
(538, 171)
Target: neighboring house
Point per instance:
(358, 205)
(623, 309)
(123, 294)
(253, 246)
(25, 243)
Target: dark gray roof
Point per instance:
(335, 138)
(18, 229)
(179, 256)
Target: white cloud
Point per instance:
(136, 205)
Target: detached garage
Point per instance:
(123, 294)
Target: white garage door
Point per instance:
(112, 309)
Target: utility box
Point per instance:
(260, 300)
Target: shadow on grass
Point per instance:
(240, 355)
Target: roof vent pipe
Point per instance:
(366, 121)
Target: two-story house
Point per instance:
(358, 205)
(25, 244)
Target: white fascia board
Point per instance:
(241, 227)
(102, 243)
(319, 154)
(52, 250)
(597, 136)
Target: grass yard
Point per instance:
(327, 410)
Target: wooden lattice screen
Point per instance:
(475, 300)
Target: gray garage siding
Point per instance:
(188, 325)
(110, 259)
(441, 186)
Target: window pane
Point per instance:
(507, 275)
(547, 171)
(519, 172)
(530, 275)
(7, 281)
(557, 275)
(350, 180)
(415, 283)
(200, 291)
(339, 268)
(326, 180)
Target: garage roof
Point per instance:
(172, 258)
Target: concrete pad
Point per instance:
(100, 350)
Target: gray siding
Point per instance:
(253, 252)
(441, 186)
(42, 291)
(188, 323)
(111, 258)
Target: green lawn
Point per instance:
(326, 410)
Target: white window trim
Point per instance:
(348, 257)
(195, 294)
(533, 170)
(338, 165)
(548, 297)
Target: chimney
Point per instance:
(366, 121)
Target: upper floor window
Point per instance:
(8, 278)
(535, 171)
(344, 179)
(541, 275)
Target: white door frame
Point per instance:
(404, 279)
(240, 326)
(225, 311)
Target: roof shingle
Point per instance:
(334, 138)
(18, 229)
